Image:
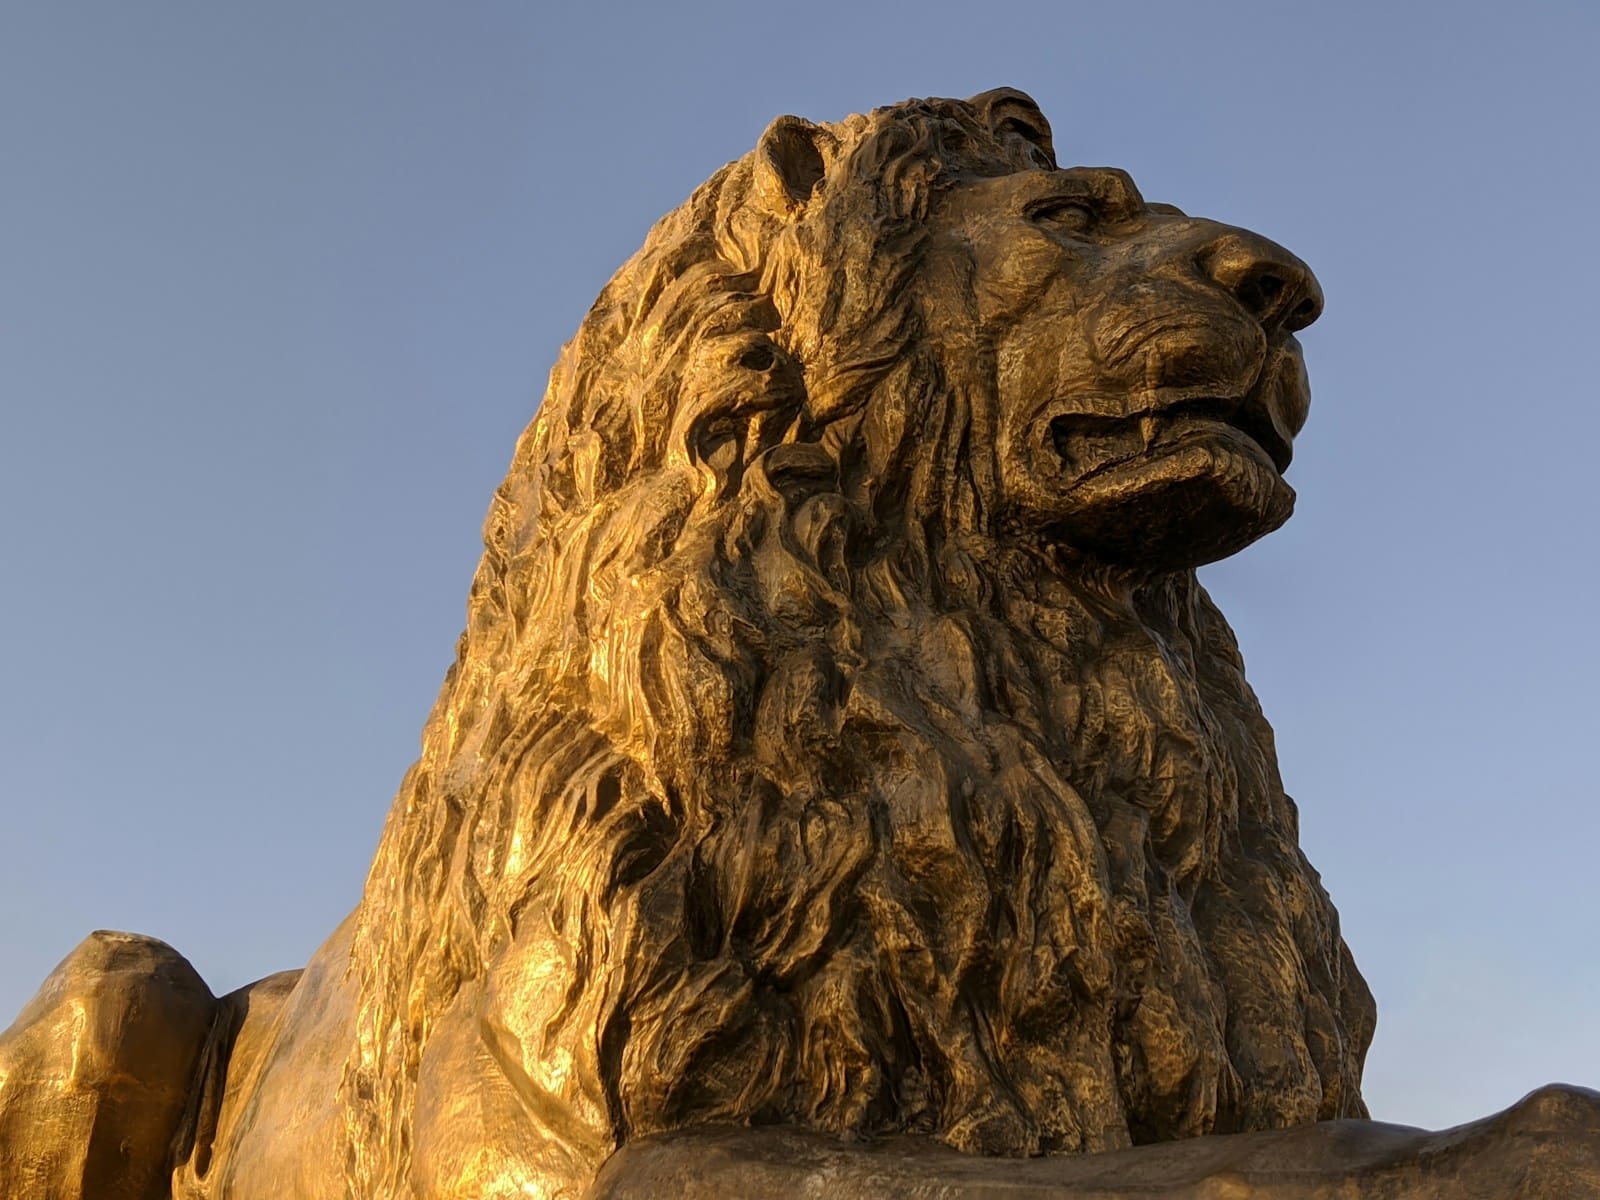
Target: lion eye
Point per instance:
(1071, 215)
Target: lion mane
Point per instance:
(776, 781)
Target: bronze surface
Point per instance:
(840, 739)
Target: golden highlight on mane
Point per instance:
(776, 781)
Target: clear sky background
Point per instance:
(280, 283)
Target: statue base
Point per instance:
(1546, 1147)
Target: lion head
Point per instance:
(840, 736)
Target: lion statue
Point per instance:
(840, 738)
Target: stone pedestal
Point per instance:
(1547, 1147)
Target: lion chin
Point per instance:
(840, 738)
(1168, 492)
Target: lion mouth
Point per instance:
(1090, 444)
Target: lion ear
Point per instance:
(1013, 113)
(791, 159)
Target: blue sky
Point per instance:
(280, 284)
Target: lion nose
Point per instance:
(1274, 286)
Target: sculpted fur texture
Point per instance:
(840, 736)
